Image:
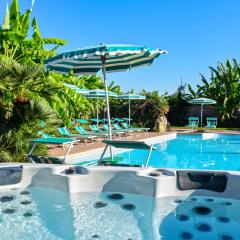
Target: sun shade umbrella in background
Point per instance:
(81, 121)
(77, 89)
(202, 101)
(108, 58)
(99, 94)
(129, 97)
(81, 91)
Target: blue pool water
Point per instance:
(191, 152)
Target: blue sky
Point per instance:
(197, 34)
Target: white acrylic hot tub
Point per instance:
(43, 202)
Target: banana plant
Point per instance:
(222, 86)
(14, 42)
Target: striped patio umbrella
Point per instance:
(77, 89)
(129, 97)
(108, 58)
(202, 101)
(80, 120)
(98, 94)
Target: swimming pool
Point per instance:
(189, 151)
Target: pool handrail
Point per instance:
(127, 145)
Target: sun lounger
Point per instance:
(211, 122)
(66, 133)
(105, 120)
(43, 134)
(95, 129)
(67, 143)
(193, 122)
(105, 130)
(117, 132)
(126, 119)
(81, 121)
(118, 120)
(136, 129)
(84, 132)
(95, 120)
(119, 128)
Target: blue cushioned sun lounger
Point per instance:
(136, 129)
(82, 121)
(193, 122)
(211, 122)
(67, 143)
(66, 133)
(117, 132)
(118, 128)
(83, 131)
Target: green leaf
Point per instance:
(6, 21)
(15, 16)
(56, 41)
(36, 36)
(25, 23)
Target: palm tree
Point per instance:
(15, 139)
(22, 83)
(28, 96)
(149, 111)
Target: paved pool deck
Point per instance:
(94, 150)
(81, 148)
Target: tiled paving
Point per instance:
(82, 147)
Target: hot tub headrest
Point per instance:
(209, 180)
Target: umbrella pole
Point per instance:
(97, 112)
(129, 112)
(201, 114)
(107, 99)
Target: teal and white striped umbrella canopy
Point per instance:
(115, 58)
(99, 93)
(108, 58)
(130, 96)
(203, 101)
(77, 89)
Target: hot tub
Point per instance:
(55, 202)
